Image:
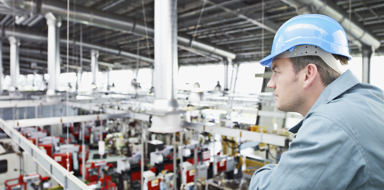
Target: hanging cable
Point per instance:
(81, 56)
(350, 14)
(138, 58)
(262, 29)
(196, 28)
(67, 72)
(145, 24)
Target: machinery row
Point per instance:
(121, 153)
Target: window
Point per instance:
(3, 166)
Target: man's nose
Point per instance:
(271, 83)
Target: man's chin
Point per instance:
(280, 108)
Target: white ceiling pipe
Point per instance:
(31, 36)
(330, 9)
(112, 21)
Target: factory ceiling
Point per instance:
(208, 30)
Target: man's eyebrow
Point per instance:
(274, 67)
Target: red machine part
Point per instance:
(221, 166)
(192, 160)
(81, 153)
(64, 140)
(75, 129)
(88, 176)
(87, 134)
(19, 183)
(136, 176)
(107, 184)
(61, 158)
(46, 178)
(190, 175)
(33, 140)
(154, 184)
(153, 169)
(48, 149)
(168, 167)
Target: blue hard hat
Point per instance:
(310, 29)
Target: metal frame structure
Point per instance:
(246, 135)
(62, 176)
(208, 31)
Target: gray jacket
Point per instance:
(338, 145)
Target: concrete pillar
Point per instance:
(367, 54)
(53, 23)
(14, 60)
(94, 65)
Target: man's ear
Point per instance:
(311, 74)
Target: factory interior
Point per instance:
(153, 95)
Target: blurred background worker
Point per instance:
(338, 143)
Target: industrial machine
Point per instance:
(32, 181)
(114, 142)
(128, 172)
(150, 181)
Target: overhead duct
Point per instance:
(28, 35)
(114, 22)
(330, 9)
(41, 52)
(167, 119)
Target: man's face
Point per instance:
(286, 86)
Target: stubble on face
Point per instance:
(293, 99)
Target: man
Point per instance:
(339, 143)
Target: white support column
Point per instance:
(166, 62)
(153, 79)
(58, 59)
(94, 65)
(367, 54)
(53, 23)
(166, 67)
(78, 81)
(108, 77)
(14, 67)
(235, 73)
(227, 62)
(1, 67)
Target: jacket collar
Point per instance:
(343, 83)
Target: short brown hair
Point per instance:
(327, 74)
